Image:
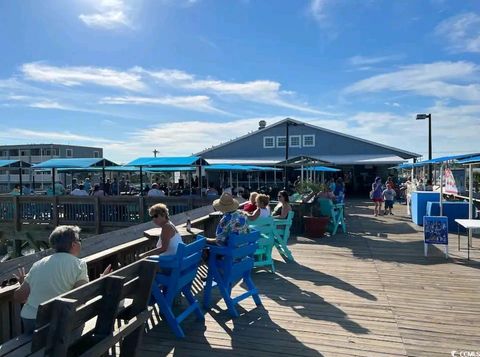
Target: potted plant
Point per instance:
(314, 223)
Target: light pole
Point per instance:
(287, 142)
(429, 117)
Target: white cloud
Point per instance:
(365, 61)
(47, 104)
(462, 32)
(199, 102)
(434, 80)
(317, 9)
(110, 14)
(75, 76)
(29, 135)
(259, 91)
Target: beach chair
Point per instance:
(176, 276)
(282, 233)
(229, 264)
(263, 254)
(336, 214)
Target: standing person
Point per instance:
(87, 185)
(16, 190)
(122, 185)
(107, 188)
(339, 190)
(376, 195)
(389, 195)
(114, 187)
(283, 207)
(52, 275)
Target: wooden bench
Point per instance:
(81, 322)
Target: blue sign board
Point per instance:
(435, 230)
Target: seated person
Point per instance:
(212, 191)
(262, 210)
(53, 275)
(251, 206)
(169, 238)
(79, 191)
(155, 191)
(429, 186)
(232, 221)
(327, 194)
(283, 207)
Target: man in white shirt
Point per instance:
(79, 191)
(155, 192)
(52, 275)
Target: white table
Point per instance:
(468, 224)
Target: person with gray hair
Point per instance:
(52, 275)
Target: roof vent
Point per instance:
(262, 124)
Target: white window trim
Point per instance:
(264, 141)
(299, 141)
(309, 135)
(69, 150)
(278, 140)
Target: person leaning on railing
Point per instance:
(53, 275)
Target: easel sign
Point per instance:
(435, 231)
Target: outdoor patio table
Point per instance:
(468, 224)
(188, 236)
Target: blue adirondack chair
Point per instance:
(282, 233)
(263, 254)
(336, 214)
(229, 264)
(176, 276)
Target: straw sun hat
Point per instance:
(226, 203)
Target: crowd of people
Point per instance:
(63, 270)
(388, 192)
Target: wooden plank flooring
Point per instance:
(369, 293)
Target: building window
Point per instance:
(268, 142)
(295, 141)
(69, 153)
(96, 154)
(35, 152)
(308, 140)
(4, 153)
(23, 152)
(281, 141)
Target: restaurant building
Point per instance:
(360, 160)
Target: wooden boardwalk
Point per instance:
(370, 293)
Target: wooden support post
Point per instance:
(141, 208)
(97, 212)
(55, 217)
(16, 213)
(112, 290)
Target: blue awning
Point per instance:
(439, 160)
(170, 169)
(470, 160)
(74, 163)
(320, 169)
(168, 161)
(13, 163)
(107, 168)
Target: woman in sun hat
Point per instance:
(232, 221)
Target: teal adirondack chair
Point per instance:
(263, 254)
(282, 233)
(176, 276)
(335, 212)
(227, 265)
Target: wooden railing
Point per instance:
(118, 255)
(97, 213)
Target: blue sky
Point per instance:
(183, 75)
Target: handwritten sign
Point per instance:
(435, 231)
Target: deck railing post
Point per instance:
(55, 217)
(16, 213)
(97, 209)
(141, 208)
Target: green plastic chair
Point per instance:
(335, 212)
(282, 233)
(263, 254)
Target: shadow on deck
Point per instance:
(368, 293)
